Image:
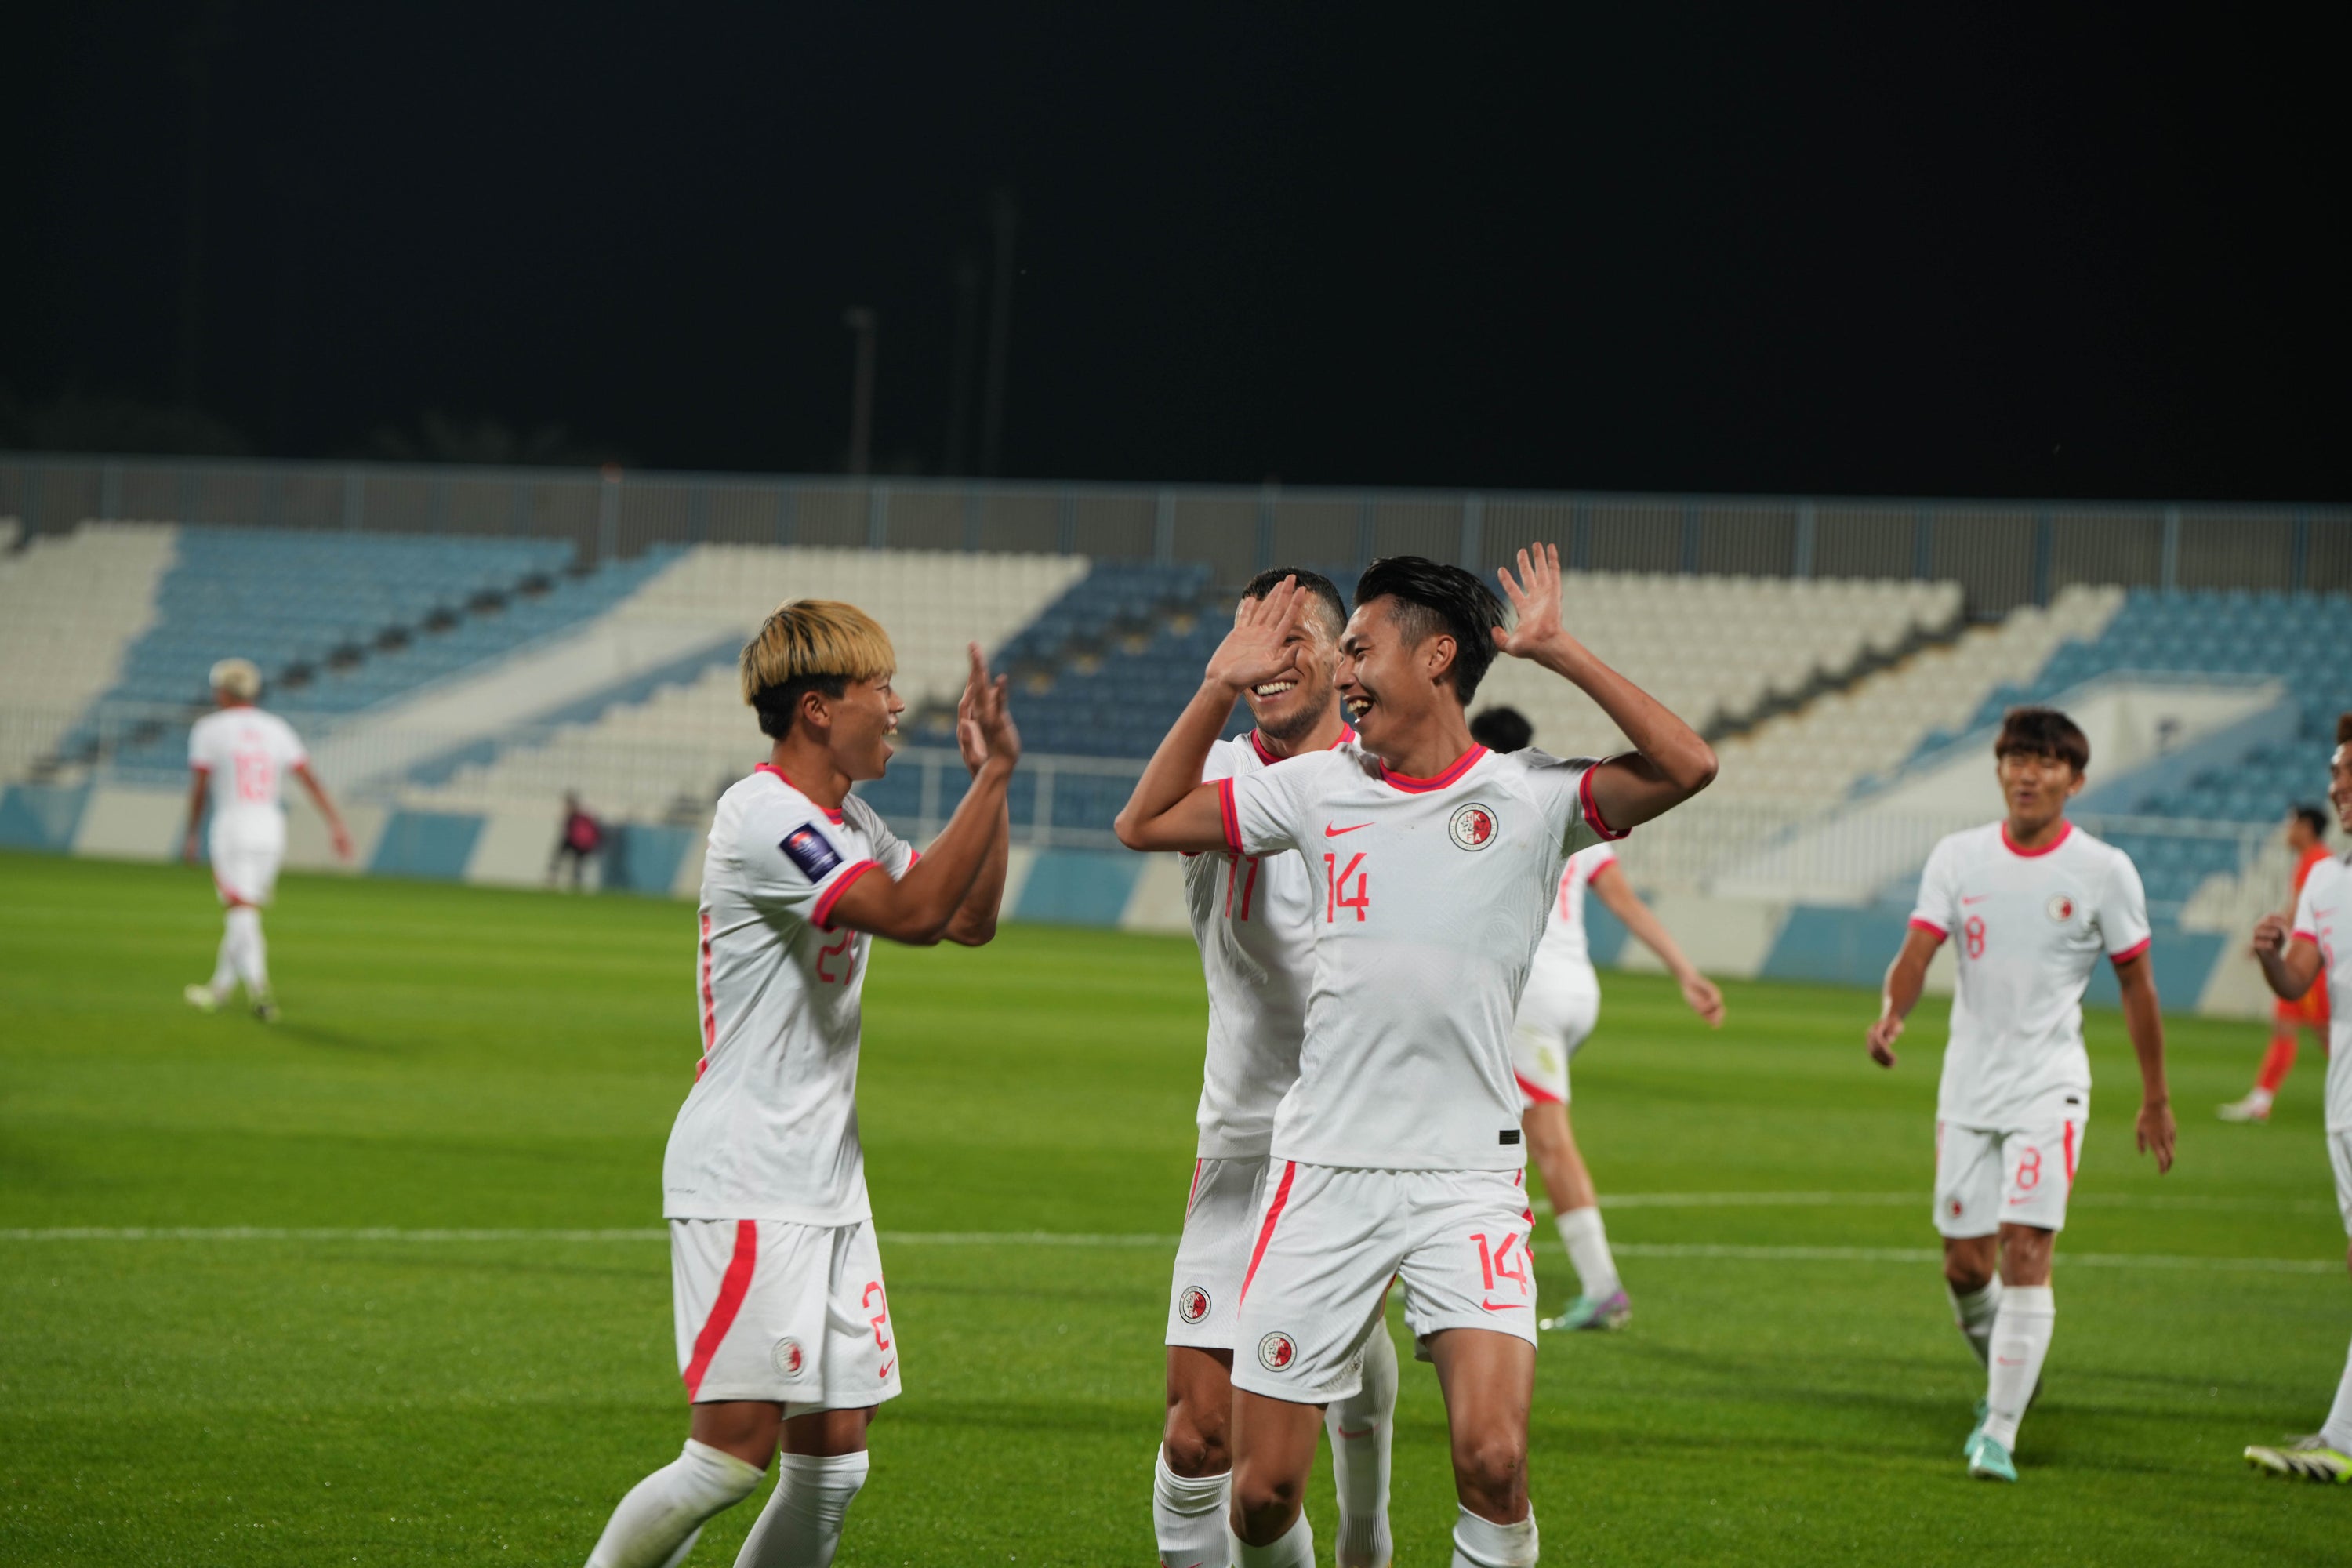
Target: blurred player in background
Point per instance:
(2306, 840)
(1557, 1011)
(2311, 950)
(1255, 919)
(2033, 901)
(784, 1337)
(238, 757)
(1398, 1153)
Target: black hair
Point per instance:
(1433, 598)
(778, 706)
(2311, 817)
(2043, 733)
(1315, 582)
(2344, 729)
(1502, 730)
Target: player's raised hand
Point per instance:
(1535, 601)
(2271, 932)
(1882, 1035)
(2154, 1133)
(1258, 648)
(985, 731)
(1705, 1000)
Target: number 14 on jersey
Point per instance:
(1336, 893)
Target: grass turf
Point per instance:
(461, 1058)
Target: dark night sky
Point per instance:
(1909, 250)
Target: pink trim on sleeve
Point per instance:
(2310, 936)
(1592, 812)
(1930, 927)
(2133, 951)
(1232, 818)
(822, 916)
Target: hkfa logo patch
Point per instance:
(2061, 908)
(788, 1358)
(1192, 1303)
(1277, 1351)
(1471, 826)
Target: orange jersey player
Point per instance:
(2306, 839)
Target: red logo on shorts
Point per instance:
(1191, 1303)
(1956, 1208)
(788, 1358)
(1277, 1351)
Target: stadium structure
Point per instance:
(463, 646)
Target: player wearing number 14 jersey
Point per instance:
(1397, 1153)
(2031, 903)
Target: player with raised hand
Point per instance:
(2034, 901)
(1254, 917)
(784, 1336)
(2311, 949)
(1397, 1151)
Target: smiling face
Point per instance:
(857, 725)
(1390, 684)
(2339, 784)
(1288, 707)
(2036, 786)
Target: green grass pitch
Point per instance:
(458, 1059)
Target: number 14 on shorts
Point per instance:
(1498, 1263)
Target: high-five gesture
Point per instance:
(1535, 600)
(1258, 648)
(984, 719)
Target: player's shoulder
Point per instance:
(1231, 758)
(858, 814)
(1980, 842)
(2329, 877)
(2089, 848)
(1537, 774)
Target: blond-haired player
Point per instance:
(784, 1336)
(238, 757)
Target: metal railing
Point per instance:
(2003, 553)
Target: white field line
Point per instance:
(1726, 1252)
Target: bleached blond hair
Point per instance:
(810, 644)
(240, 678)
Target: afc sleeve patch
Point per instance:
(810, 850)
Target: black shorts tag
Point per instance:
(1509, 1135)
(810, 850)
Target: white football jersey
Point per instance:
(2027, 926)
(1566, 947)
(1430, 896)
(769, 1129)
(246, 754)
(1251, 914)
(2321, 916)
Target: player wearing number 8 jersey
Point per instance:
(784, 1336)
(2031, 903)
(1398, 1150)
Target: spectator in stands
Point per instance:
(582, 837)
(2306, 840)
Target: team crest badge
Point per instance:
(1277, 1351)
(1473, 825)
(2061, 908)
(1192, 1304)
(788, 1358)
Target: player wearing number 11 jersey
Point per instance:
(1397, 1153)
(2031, 903)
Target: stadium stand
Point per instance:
(70, 606)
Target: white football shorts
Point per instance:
(1220, 1220)
(794, 1314)
(1987, 1177)
(246, 874)
(2340, 1154)
(1557, 1012)
(1328, 1241)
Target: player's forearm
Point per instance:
(319, 798)
(2143, 1021)
(918, 908)
(1642, 923)
(1174, 771)
(974, 923)
(195, 805)
(1671, 763)
(1907, 982)
(2287, 979)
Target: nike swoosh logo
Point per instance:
(1980, 898)
(1331, 832)
(1503, 1306)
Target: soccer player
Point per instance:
(2034, 901)
(238, 757)
(1557, 1012)
(2293, 953)
(1254, 916)
(2306, 840)
(784, 1337)
(1397, 1151)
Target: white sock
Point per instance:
(1293, 1549)
(1188, 1516)
(1483, 1543)
(662, 1514)
(224, 980)
(2338, 1430)
(1588, 1248)
(1974, 1313)
(801, 1526)
(1361, 1426)
(248, 952)
(2021, 1338)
